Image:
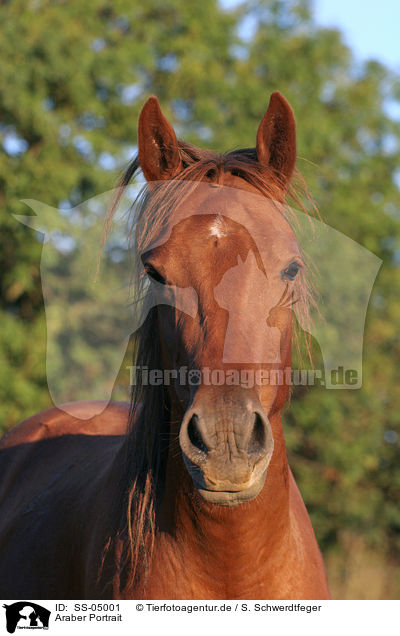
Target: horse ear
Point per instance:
(158, 147)
(276, 138)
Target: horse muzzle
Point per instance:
(227, 449)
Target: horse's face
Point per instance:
(237, 252)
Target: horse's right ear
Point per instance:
(158, 147)
(276, 138)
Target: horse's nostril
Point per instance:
(195, 435)
(257, 439)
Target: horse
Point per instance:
(186, 491)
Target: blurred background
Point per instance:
(73, 77)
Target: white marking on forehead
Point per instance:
(218, 227)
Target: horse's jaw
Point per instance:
(233, 497)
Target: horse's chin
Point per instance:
(232, 497)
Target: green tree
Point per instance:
(72, 81)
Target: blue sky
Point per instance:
(370, 27)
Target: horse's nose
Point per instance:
(250, 437)
(226, 449)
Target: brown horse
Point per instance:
(187, 494)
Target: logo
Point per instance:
(26, 615)
(96, 298)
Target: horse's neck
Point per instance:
(260, 524)
(216, 543)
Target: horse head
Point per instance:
(224, 235)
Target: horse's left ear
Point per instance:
(159, 155)
(276, 138)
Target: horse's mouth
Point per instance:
(231, 497)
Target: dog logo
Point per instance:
(26, 615)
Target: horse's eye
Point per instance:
(153, 273)
(290, 272)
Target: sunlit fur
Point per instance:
(99, 500)
(147, 444)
